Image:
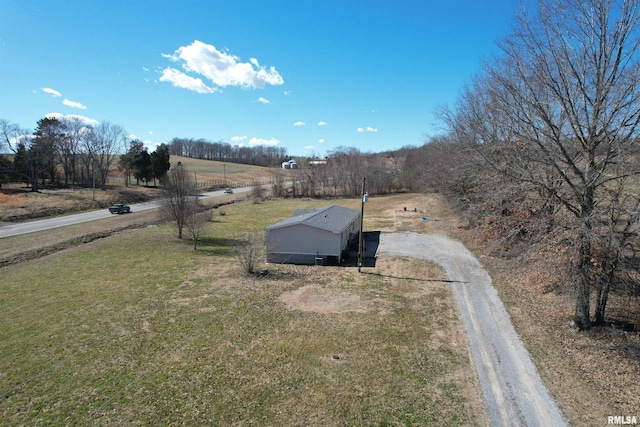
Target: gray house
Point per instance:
(316, 236)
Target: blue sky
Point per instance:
(307, 75)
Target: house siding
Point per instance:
(302, 239)
(302, 243)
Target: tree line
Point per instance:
(70, 151)
(340, 175)
(545, 141)
(258, 155)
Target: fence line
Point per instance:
(231, 184)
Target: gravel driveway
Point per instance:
(513, 390)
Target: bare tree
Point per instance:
(197, 218)
(308, 180)
(68, 149)
(444, 165)
(257, 191)
(10, 134)
(66, 156)
(294, 181)
(249, 250)
(351, 165)
(559, 111)
(179, 201)
(278, 183)
(615, 252)
(11, 137)
(101, 145)
(335, 176)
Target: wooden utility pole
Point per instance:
(361, 236)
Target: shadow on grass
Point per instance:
(412, 278)
(629, 349)
(215, 246)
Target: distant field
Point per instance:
(139, 329)
(208, 170)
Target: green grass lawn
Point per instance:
(139, 329)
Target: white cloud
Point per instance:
(321, 141)
(299, 123)
(308, 147)
(150, 145)
(322, 123)
(238, 139)
(150, 132)
(264, 100)
(73, 117)
(180, 79)
(287, 92)
(262, 141)
(132, 136)
(74, 104)
(222, 68)
(51, 91)
(367, 129)
(145, 68)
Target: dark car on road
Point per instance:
(119, 208)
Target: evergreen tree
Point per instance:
(39, 156)
(21, 163)
(142, 166)
(160, 162)
(6, 169)
(127, 161)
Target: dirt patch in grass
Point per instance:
(406, 277)
(316, 299)
(396, 212)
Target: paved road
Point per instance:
(46, 224)
(512, 388)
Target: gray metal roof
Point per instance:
(332, 218)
